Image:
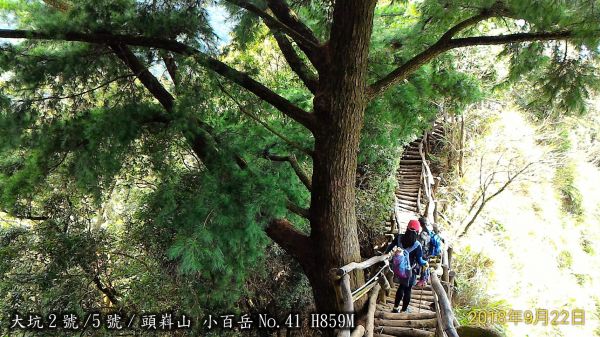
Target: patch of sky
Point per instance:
(8, 21)
(220, 22)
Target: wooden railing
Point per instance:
(446, 322)
(379, 285)
(347, 297)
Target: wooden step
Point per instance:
(417, 324)
(409, 182)
(402, 194)
(408, 203)
(404, 166)
(409, 176)
(406, 194)
(418, 306)
(399, 331)
(388, 308)
(404, 315)
(409, 173)
(402, 172)
(407, 191)
(407, 207)
(409, 168)
(415, 184)
(410, 192)
(411, 162)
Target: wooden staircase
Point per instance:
(430, 312)
(409, 191)
(420, 321)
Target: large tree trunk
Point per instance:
(339, 105)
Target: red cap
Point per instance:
(414, 225)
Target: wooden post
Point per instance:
(384, 287)
(347, 306)
(436, 183)
(439, 329)
(450, 250)
(371, 312)
(451, 285)
(445, 273)
(445, 308)
(359, 331)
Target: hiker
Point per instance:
(425, 240)
(407, 255)
(425, 236)
(435, 241)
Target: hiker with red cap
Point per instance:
(406, 262)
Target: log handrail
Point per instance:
(428, 182)
(362, 265)
(341, 278)
(445, 309)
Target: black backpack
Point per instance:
(425, 240)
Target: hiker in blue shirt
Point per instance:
(408, 241)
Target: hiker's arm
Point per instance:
(420, 256)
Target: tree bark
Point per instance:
(339, 106)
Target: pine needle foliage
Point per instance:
(87, 144)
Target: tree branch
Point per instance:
(510, 38)
(79, 93)
(446, 43)
(292, 207)
(306, 180)
(108, 291)
(299, 33)
(302, 40)
(201, 140)
(26, 216)
(144, 75)
(171, 66)
(240, 78)
(265, 125)
(295, 62)
(291, 240)
(485, 200)
(283, 12)
(467, 23)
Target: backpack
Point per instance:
(401, 262)
(424, 239)
(435, 245)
